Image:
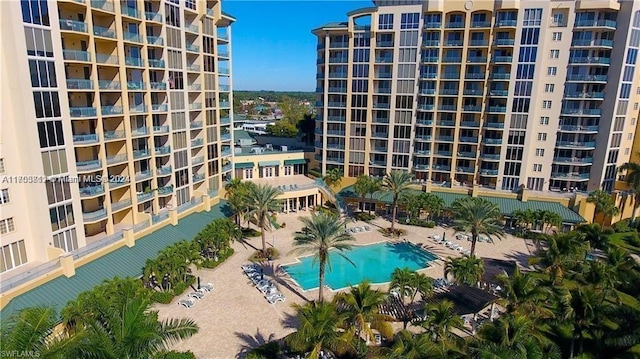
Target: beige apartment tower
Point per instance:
(501, 94)
(113, 114)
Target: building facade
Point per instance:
(113, 113)
(502, 94)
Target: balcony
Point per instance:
(112, 160)
(494, 124)
(455, 25)
(79, 84)
(163, 171)
(474, 76)
(162, 150)
(193, 28)
(453, 43)
(384, 43)
(336, 119)
(473, 92)
(335, 132)
(225, 104)
(102, 5)
(429, 75)
(376, 105)
(228, 167)
(596, 23)
(478, 43)
(447, 108)
(85, 139)
(497, 109)
(142, 175)
(471, 108)
(198, 177)
(571, 176)
(225, 153)
(429, 59)
(444, 168)
(145, 196)
(198, 160)
(155, 40)
(79, 112)
(111, 110)
(447, 123)
(94, 216)
(587, 78)
(120, 204)
(113, 135)
(476, 59)
(500, 76)
(338, 75)
(585, 95)
(333, 146)
(224, 88)
(337, 89)
(492, 141)
(194, 67)
(416, 152)
(478, 24)
(140, 131)
(192, 48)
(490, 156)
(498, 93)
(451, 59)
(161, 107)
(445, 138)
(138, 109)
(225, 120)
(91, 191)
(592, 43)
(432, 24)
(225, 136)
(88, 165)
(165, 190)
(153, 16)
(337, 104)
(134, 61)
(581, 111)
(502, 59)
(444, 153)
(73, 25)
(431, 43)
(573, 160)
(467, 154)
(160, 129)
(75, 55)
(195, 124)
(138, 154)
(131, 37)
(450, 92)
(576, 144)
(423, 138)
(590, 60)
(107, 59)
(487, 172)
(450, 75)
(109, 85)
(104, 32)
(427, 91)
(380, 135)
(506, 23)
(197, 142)
(573, 128)
(468, 139)
(131, 12)
(470, 124)
(465, 169)
(504, 42)
(135, 85)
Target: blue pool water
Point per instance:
(374, 262)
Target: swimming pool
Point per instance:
(374, 262)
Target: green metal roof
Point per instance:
(242, 135)
(507, 205)
(268, 163)
(122, 262)
(243, 165)
(297, 161)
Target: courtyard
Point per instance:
(236, 317)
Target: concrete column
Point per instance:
(129, 237)
(173, 216)
(428, 187)
(475, 191)
(206, 200)
(68, 265)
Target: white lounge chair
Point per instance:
(208, 287)
(279, 297)
(187, 303)
(195, 295)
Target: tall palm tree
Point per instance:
(236, 193)
(440, 320)
(361, 308)
(261, 202)
(582, 308)
(604, 204)
(323, 232)
(522, 292)
(408, 345)
(334, 177)
(401, 282)
(361, 187)
(477, 216)
(319, 329)
(548, 220)
(595, 235)
(465, 270)
(562, 252)
(396, 182)
(29, 331)
(632, 178)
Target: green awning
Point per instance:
(242, 165)
(299, 161)
(268, 163)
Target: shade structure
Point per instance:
(298, 161)
(268, 163)
(242, 165)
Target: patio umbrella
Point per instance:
(198, 282)
(444, 234)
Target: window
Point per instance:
(539, 152)
(625, 90)
(542, 136)
(530, 36)
(50, 134)
(7, 226)
(408, 38)
(47, 104)
(35, 12)
(528, 54)
(268, 171)
(39, 43)
(557, 36)
(66, 240)
(629, 136)
(532, 17)
(632, 55)
(555, 54)
(558, 19)
(1, 165)
(525, 71)
(523, 88)
(288, 170)
(546, 104)
(54, 162)
(360, 55)
(549, 87)
(61, 217)
(544, 120)
(58, 191)
(628, 73)
(409, 21)
(626, 151)
(172, 15)
(248, 173)
(537, 167)
(4, 196)
(43, 74)
(13, 255)
(385, 22)
(552, 70)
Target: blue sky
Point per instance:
(273, 47)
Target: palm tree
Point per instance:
(563, 250)
(323, 232)
(595, 235)
(522, 292)
(361, 308)
(440, 320)
(604, 204)
(236, 196)
(319, 329)
(374, 186)
(396, 182)
(477, 216)
(632, 178)
(523, 218)
(581, 307)
(361, 187)
(262, 201)
(401, 282)
(548, 220)
(334, 177)
(408, 345)
(29, 331)
(465, 270)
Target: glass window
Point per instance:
(385, 22)
(410, 21)
(532, 17)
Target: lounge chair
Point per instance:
(275, 298)
(208, 287)
(195, 295)
(265, 287)
(269, 291)
(367, 228)
(187, 303)
(250, 267)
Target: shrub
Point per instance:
(608, 230)
(397, 231)
(623, 226)
(167, 296)
(176, 355)
(250, 232)
(315, 173)
(270, 350)
(363, 216)
(633, 239)
(421, 223)
(259, 256)
(222, 256)
(162, 297)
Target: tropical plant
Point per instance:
(322, 233)
(408, 345)
(440, 319)
(361, 308)
(604, 203)
(432, 204)
(262, 202)
(632, 178)
(362, 187)
(217, 236)
(562, 251)
(523, 219)
(465, 270)
(396, 182)
(409, 284)
(548, 220)
(333, 178)
(522, 292)
(319, 329)
(477, 216)
(595, 235)
(236, 193)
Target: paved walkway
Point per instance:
(235, 316)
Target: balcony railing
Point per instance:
(73, 25)
(571, 175)
(137, 154)
(95, 215)
(494, 124)
(476, 59)
(469, 139)
(155, 40)
(465, 169)
(197, 142)
(490, 156)
(142, 175)
(83, 111)
(590, 60)
(445, 138)
(116, 159)
(158, 86)
(448, 91)
(153, 16)
(111, 110)
(198, 177)
(88, 165)
(138, 109)
(144, 196)
(195, 124)
(502, 59)
(575, 144)
(104, 32)
(596, 23)
(160, 107)
(132, 37)
(162, 150)
(75, 55)
(587, 78)
(585, 95)
(192, 48)
(102, 5)
(467, 154)
(431, 43)
(225, 104)
(574, 128)
(432, 24)
(497, 109)
(85, 139)
(504, 42)
(90, 191)
(79, 84)
(198, 160)
(476, 24)
(109, 85)
(225, 136)
(500, 76)
(155, 63)
(130, 12)
(167, 170)
(113, 135)
(585, 160)
(455, 25)
(107, 59)
(447, 123)
(487, 172)
(492, 141)
(165, 190)
(581, 111)
(121, 204)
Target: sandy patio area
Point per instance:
(235, 316)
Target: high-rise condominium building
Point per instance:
(113, 112)
(503, 94)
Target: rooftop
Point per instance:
(123, 262)
(507, 205)
(465, 299)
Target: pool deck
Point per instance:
(235, 316)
